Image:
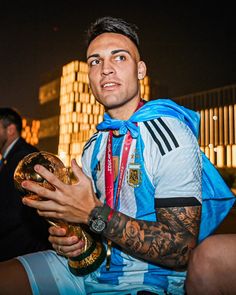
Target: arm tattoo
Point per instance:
(167, 242)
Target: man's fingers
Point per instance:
(37, 189)
(47, 175)
(46, 213)
(63, 240)
(76, 170)
(46, 209)
(57, 231)
(70, 250)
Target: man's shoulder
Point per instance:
(162, 127)
(166, 134)
(22, 145)
(21, 149)
(90, 142)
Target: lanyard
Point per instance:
(109, 172)
(109, 178)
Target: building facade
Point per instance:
(217, 136)
(217, 109)
(49, 112)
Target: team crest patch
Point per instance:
(134, 175)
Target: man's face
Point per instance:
(3, 136)
(113, 62)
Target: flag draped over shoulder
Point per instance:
(217, 198)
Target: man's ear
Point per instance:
(11, 129)
(142, 70)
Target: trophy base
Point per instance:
(88, 261)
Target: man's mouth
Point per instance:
(108, 85)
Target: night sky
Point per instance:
(188, 46)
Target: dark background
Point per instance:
(189, 46)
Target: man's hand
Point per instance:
(71, 203)
(63, 245)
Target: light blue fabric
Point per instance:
(149, 111)
(217, 197)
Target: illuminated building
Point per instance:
(30, 130)
(49, 112)
(217, 134)
(217, 108)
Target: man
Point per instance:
(212, 266)
(140, 188)
(22, 230)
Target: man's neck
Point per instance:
(125, 111)
(7, 147)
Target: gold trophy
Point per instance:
(93, 253)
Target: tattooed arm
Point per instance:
(167, 242)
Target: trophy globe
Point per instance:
(93, 253)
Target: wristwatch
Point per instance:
(98, 218)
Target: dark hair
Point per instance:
(110, 24)
(10, 116)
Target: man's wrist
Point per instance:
(99, 217)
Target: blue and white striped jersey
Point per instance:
(163, 170)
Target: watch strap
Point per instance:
(100, 212)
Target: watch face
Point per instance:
(98, 225)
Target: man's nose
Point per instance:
(107, 68)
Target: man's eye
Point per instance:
(120, 58)
(94, 62)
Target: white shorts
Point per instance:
(49, 274)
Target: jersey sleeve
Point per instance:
(86, 158)
(87, 154)
(177, 168)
